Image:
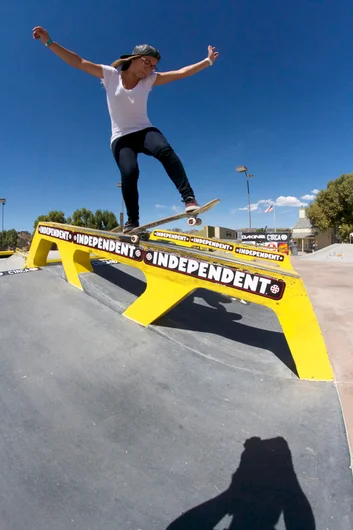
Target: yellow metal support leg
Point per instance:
(160, 296)
(74, 263)
(302, 332)
(38, 253)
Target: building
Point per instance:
(219, 232)
(308, 238)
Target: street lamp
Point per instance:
(122, 208)
(244, 169)
(3, 202)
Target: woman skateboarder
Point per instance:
(128, 82)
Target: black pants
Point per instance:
(151, 142)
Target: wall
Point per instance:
(304, 231)
(225, 233)
(321, 240)
(324, 239)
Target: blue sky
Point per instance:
(279, 100)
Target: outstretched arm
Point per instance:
(69, 57)
(167, 77)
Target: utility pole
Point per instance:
(122, 207)
(244, 169)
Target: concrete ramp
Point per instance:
(110, 425)
(16, 261)
(339, 252)
(210, 324)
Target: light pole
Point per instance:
(3, 202)
(244, 169)
(122, 207)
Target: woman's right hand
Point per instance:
(41, 33)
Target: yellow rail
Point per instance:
(173, 272)
(239, 250)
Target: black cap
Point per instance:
(143, 50)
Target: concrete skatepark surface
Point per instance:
(339, 252)
(106, 424)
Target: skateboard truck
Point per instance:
(194, 221)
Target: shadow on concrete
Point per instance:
(121, 279)
(263, 488)
(213, 318)
(218, 321)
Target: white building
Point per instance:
(308, 238)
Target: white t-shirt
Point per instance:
(127, 108)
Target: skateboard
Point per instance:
(141, 232)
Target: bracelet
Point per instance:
(209, 60)
(49, 42)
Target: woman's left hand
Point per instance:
(212, 55)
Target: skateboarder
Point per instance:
(128, 82)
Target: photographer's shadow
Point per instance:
(263, 488)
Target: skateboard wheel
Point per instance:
(135, 239)
(192, 221)
(198, 222)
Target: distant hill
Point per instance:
(24, 240)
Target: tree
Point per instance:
(11, 238)
(8, 239)
(333, 207)
(82, 217)
(105, 220)
(101, 220)
(2, 240)
(54, 216)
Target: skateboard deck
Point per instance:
(192, 220)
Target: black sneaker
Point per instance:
(130, 225)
